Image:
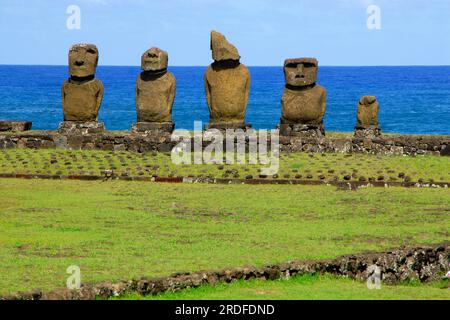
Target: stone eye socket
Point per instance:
(91, 51)
(296, 65)
(308, 65)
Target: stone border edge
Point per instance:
(425, 263)
(344, 185)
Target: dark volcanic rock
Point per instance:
(15, 126)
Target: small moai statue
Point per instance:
(82, 94)
(303, 102)
(227, 86)
(155, 93)
(367, 125)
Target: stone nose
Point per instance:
(300, 71)
(80, 58)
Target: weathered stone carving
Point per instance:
(155, 93)
(303, 101)
(367, 119)
(82, 94)
(227, 85)
(368, 108)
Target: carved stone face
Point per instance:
(154, 59)
(83, 60)
(300, 72)
(222, 50)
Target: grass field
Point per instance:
(120, 230)
(307, 287)
(326, 167)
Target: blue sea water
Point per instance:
(412, 99)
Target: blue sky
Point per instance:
(413, 32)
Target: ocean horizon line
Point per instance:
(250, 66)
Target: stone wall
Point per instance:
(15, 126)
(105, 141)
(124, 141)
(261, 180)
(386, 145)
(422, 264)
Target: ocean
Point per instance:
(413, 100)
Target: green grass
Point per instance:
(120, 230)
(327, 167)
(307, 287)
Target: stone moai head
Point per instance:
(301, 72)
(154, 60)
(367, 101)
(222, 50)
(368, 111)
(83, 60)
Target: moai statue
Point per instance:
(303, 102)
(227, 85)
(82, 94)
(367, 120)
(155, 93)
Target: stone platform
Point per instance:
(153, 127)
(367, 132)
(438, 145)
(15, 126)
(83, 128)
(224, 126)
(302, 130)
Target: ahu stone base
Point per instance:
(153, 127)
(83, 128)
(225, 126)
(15, 126)
(302, 130)
(367, 132)
(438, 145)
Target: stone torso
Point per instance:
(81, 102)
(227, 92)
(155, 97)
(368, 115)
(304, 106)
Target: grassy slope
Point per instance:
(293, 166)
(119, 230)
(309, 287)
